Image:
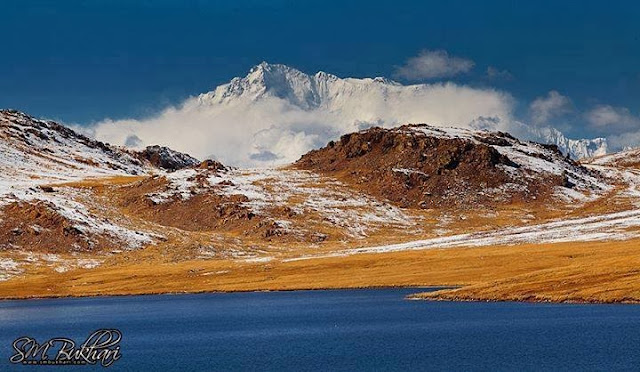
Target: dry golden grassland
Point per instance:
(561, 272)
(565, 272)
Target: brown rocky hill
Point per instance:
(62, 191)
(430, 167)
(166, 158)
(40, 212)
(82, 217)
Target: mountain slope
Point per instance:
(37, 149)
(346, 215)
(39, 211)
(32, 149)
(626, 159)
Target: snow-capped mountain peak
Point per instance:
(273, 80)
(297, 88)
(576, 148)
(276, 113)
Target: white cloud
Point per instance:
(621, 126)
(554, 104)
(252, 131)
(612, 119)
(238, 135)
(623, 141)
(431, 64)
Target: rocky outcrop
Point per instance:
(429, 167)
(166, 158)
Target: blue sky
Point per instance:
(83, 61)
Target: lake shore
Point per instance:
(593, 272)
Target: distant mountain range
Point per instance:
(367, 102)
(277, 113)
(576, 148)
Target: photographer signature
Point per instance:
(101, 347)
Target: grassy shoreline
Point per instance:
(593, 272)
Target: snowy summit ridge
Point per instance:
(302, 90)
(276, 113)
(324, 90)
(576, 148)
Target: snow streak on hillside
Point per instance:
(35, 154)
(614, 226)
(277, 113)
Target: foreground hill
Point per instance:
(428, 167)
(38, 149)
(34, 149)
(412, 205)
(37, 158)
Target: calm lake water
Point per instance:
(346, 330)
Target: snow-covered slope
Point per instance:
(32, 149)
(35, 154)
(276, 113)
(308, 91)
(355, 103)
(628, 158)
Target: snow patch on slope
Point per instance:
(302, 191)
(63, 201)
(630, 157)
(9, 268)
(614, 226)
(32, 149)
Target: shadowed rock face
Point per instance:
(166, 158)
(37, 226)
(413, 168)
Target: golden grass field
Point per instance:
(598, 272)
(568, 272)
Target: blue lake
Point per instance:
(342, 330)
